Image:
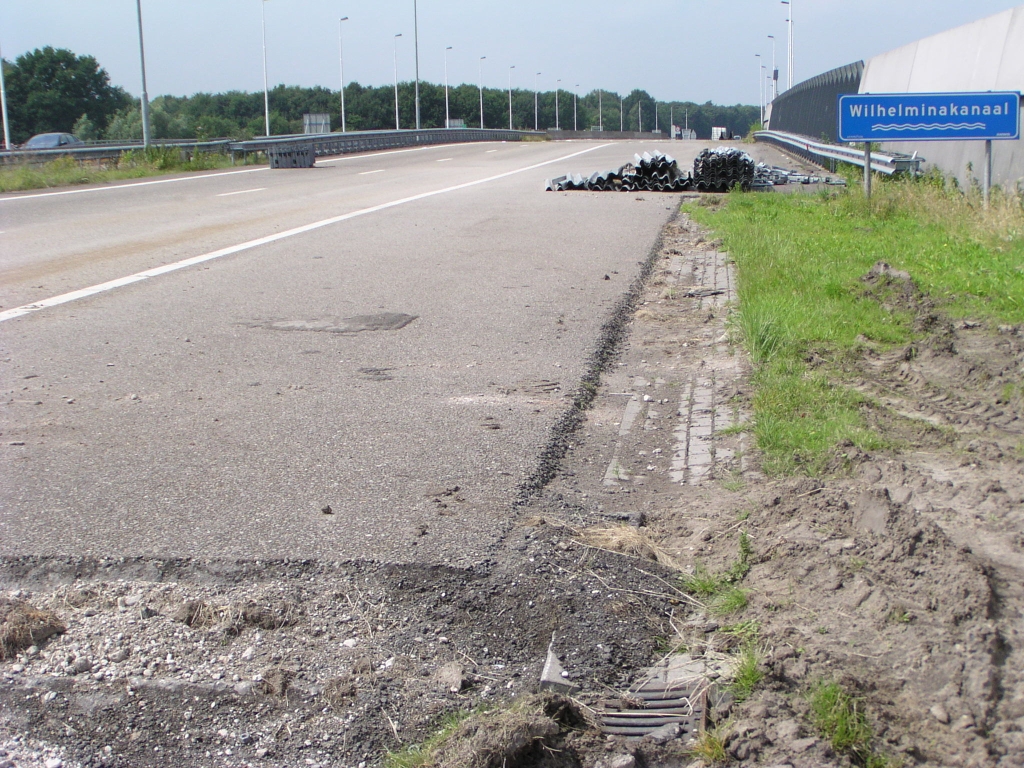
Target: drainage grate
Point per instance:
(675, 692)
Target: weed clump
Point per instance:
(841, 719)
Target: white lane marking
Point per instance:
(367, 173)
(120, 282)
(489, 151)
(444, 159)
(127, 186)
(241, 192)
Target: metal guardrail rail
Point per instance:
(345, 143)
(106, 151)
(829, 154)
(323, 144)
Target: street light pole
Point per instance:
(536, 124)
(398, 126)
(3, 106)
(640, 114)
(341, 63)
(145, 96)
(416, 47)
(764, 92)
(622, 117)
(775, 70)
(266, 91)
(447, 116)
(575, 122)
(760, 88)
(510, 96)
(481, 82)
(557, 128)
(789, 63)
(600, 111)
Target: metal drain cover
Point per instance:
(674, 692)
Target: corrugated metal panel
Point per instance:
(809, 108)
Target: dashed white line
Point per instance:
(120, 282)
(489, 151)
(444, 159)
(241, 192)
(367, 173)
(128, 186)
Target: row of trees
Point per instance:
(54, 90)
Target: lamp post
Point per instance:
(775, 70)
(789, 63)
(575, 123)
(447, 116)
(760, 88)
(600, 111)
(145, 96)
(656, 116)
(481, 82)
(640, 113)
(341, 64)
(266, 91)
(510, 96)
(557, 128)
(416, 48)
(536, 124)
(622, 117)
(398, 127)
(3, 106)
(764, 92)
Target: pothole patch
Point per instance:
(383, 321)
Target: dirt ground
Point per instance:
(899, 576)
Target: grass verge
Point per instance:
(66, 171)
(801, 259)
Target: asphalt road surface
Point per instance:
(196, 367)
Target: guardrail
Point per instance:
(99, 152)
(828, 155)
(345, 143)
(323, 144)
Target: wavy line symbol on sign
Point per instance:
(928, 127)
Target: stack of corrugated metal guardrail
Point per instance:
(652, 171)
(828, 155)
(715, 170)
(721, 169)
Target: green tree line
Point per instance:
(55, 90)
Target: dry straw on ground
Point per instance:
(627, 540)
(22, 626)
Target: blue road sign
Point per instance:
(929, 116)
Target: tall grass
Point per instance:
(801, 259)
(66, 171)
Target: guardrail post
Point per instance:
(987, 176)
(867, 169)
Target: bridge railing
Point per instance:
(322, 144)
(829, 155)
(364, 141)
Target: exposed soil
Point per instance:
(899, 576)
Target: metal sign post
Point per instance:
(867, 170)
(980, 116)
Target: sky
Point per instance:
(681, 50)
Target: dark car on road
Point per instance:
(52, 141)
